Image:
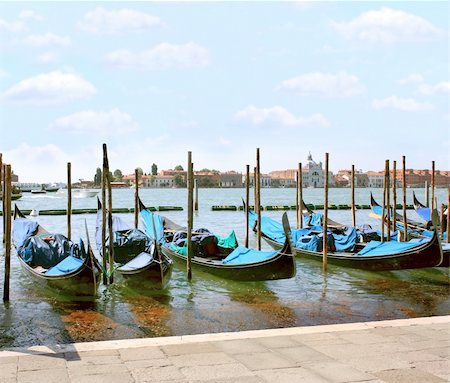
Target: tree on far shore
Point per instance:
(178, 168)
(154, 169)
(118, 176)
(98, 177)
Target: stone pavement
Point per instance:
(407, 350)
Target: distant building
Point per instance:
(158, 181)
(344, 178)
(312, 175)
(376, 179)
(14, 177)
(230, 179)
(265, 181)
(418, 177)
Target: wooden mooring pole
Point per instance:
(427, 194)
(442, 221)
(448, 215)
(69, 200)
(394, 196)
(325, 218)
(258, 188)
(247, 201)
(190, 218)
(136, 198)
(383, 208)
(353, 197)
(388, 200)
(104, 259)
(110, 218)
(297, 192)
(433, 185)
(405, 226)
(7, 233)
(196, 195)
(300, 193)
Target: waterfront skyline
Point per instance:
(363, 81)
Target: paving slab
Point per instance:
(409, 350)
(411, 375)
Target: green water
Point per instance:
(209, 304)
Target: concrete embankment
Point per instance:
(406, 350)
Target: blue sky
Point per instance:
(364, 81)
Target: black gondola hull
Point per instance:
(282, 266)
(427, 255)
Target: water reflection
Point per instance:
(208, 303)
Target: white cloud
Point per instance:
(28, 161)
(12, 26)
(387, 26)
(225, 141)
(19, 25)
(324, 84)
(162, 56)
(423, 87)
(28, 14)
(440, 87)
(47, 58)
(3, 73)
(278, 116)
(47, 39)
(403, 104)
(102, 21)
(98, 122)
(49, 89)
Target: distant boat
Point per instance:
(51, 189)
(38, 191)
(78, 193)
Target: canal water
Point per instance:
(209, 304)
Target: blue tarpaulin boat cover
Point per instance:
(140, 261)
(118, 225)
(243, 255)
(274, 230)
(67, 265)
(23, 229)
(151, 219)
(424, 213)
(384, 248)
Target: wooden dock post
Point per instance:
(405, 226)
(136, 198)
(110, 219)
(433, 185)
(300, 193)
(297, 214)
(258, 188)
(388, 201)
(7, 233)
(190, 185)
(353, 197)
(427, 194)
(247, 201)
(69, 200)
(394, 196)
(442, 221)
(383, 208)
(448, 216)
(105, 269)
(325, 218)
(196, 195)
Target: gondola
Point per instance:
(137, 258)
(216, 256)
(415, 229)
(53, 260)
(374, 256)
(424, 212)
